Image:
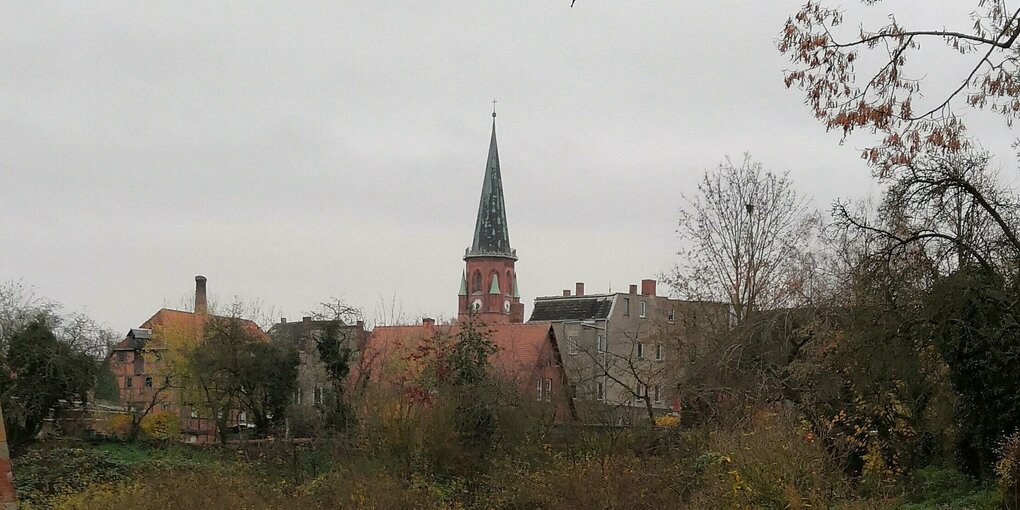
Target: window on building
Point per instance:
(572, 345)
(626, 306)
(477, 281)
(658, 352)
(600, 392)
(148, 382)
(128, 381)
(538, 389)
(642, 393)
(602, 342)
(121, 357)
(297, 397)
(317, 395)
(657, 392)
(548, 389)
(640, 350)
(644, 309)
(672, 316)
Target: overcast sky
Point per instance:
(294, 151)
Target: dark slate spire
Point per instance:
(491, 237)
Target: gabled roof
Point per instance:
(491, 235)
(520, 348)
(140, 333)
(571, 308)
(189, 323)
(135, 339)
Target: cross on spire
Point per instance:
(494, 108)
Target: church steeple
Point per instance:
(491, 235)
(489, 284)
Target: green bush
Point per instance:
(45, 474)
(938, 488)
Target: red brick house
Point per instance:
(137, 363)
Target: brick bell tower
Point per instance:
(488, 286)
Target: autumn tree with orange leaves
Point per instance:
(860, 79)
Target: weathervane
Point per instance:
(494, 108)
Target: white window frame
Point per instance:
(640, 350)
(539, 389)
(642, 393)
(672, 316)
(626, 307)
(601, 342)
(644, 309)
(658, 393)
(658, 352)
(548, 389)
(600, 391)
(572, 348)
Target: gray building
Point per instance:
(624, 354)
(312, 380)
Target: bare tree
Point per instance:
(336, 309)
(746, 228)
(950, 209)
(19, 305)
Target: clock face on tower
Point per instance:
(506, 306)
(476, 305)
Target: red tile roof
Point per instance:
(187, 322)
(521, 349)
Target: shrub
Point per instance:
(667, 420)
(44, 475)
(162, 426)
(1008, 470)
(118, 425)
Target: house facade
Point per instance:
(624, 354)
(313, 381)
(139, 364)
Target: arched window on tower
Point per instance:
(509, 289)
(476, 286)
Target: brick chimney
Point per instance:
(201, 304)
(633, 289)
(647, 287)
(283, 320)
(429, 324)
(566, 292)
(516, 313)
(579, 289)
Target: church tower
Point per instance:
(488, 286)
